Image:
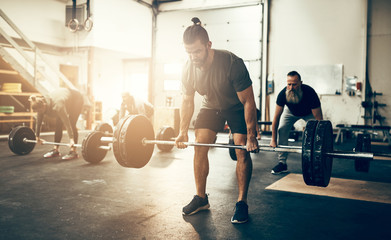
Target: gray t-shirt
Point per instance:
(220, 83)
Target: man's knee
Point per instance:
(284, 129)
(242, 155)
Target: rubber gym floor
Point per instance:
(56, 199)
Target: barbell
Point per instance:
(22, 141)
(133, 145)
(94, 147)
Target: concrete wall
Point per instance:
(122, 30)
(379, 54)
(319, 33)
(119, 25)
(234, 29)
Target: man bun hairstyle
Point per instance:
(194, 32)
(196, 21)
(294, 73)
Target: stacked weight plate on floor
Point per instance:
(128, 147)
(15, 140)
(116, 140)
(316, 163)
(363, 144)
(165, 134)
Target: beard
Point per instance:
(293, 96)
(200, 62)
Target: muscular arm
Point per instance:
(317, 112)
(275, 123)
(250, 113)
(186, 113)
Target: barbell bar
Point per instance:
(267, 148)
(262, 147)
(25, 140)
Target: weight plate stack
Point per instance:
(116, 140)
(307, 150)
(90, 147)
(7, 109)
(15, 140)
(133, 153)
(321, 162)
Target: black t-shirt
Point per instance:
(309, 101)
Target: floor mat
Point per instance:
(338, 187)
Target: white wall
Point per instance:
(119, 25)
(320, 33)
(122, 30)
(186, 5)
(235, 29)
(40, 20)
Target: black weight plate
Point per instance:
(15, 140)
(90, 147)
(307, 149)
(105, 128)
(363, 144)
(10, 137)
(134, 153)
(232, 152)
(165, 134)
(117, 130)
(321, 162)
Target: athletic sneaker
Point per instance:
(241, 213)
(71, 155)
(197, 204)
(52, 153)
(280, 168)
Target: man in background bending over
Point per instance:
(301, 102)
(66, 105)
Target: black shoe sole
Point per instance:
(205, 207)
(277, 173)
(237, 221)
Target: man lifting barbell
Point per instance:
(66, 105)
(224, 82)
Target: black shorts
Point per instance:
(215, 120)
